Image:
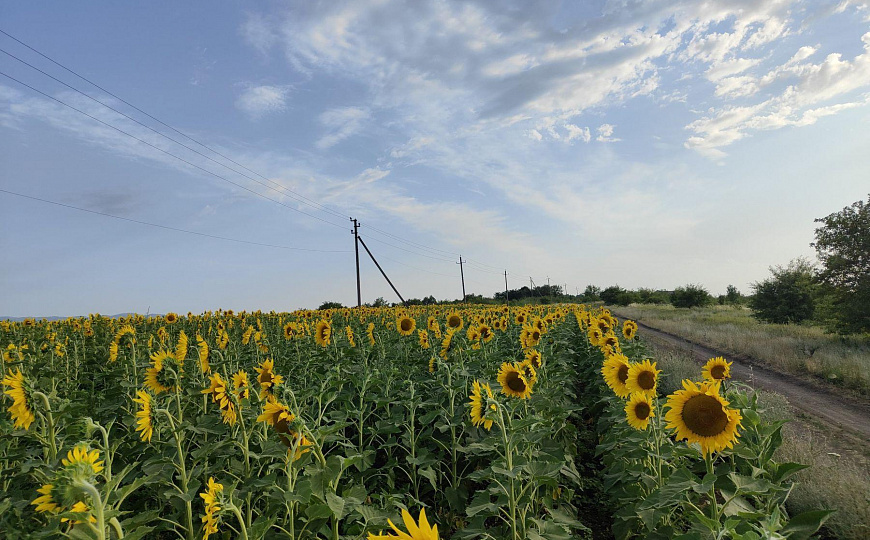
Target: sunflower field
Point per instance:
(429, 422)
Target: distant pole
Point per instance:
(462, 275)
(506, 299)
(356, 251)
(565, 290)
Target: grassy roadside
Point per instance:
(833, 481)
(803, 350)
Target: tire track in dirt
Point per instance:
(835, 410)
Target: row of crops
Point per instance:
(422, 423)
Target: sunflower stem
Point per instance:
(49, 418)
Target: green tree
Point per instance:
(732, 295)
(331, 305)
(592, 293)
(843, 248)
(787, 296)
(691, 296)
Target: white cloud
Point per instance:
(576, 132)
(800, 104)
(605, 133)
(257, 101)
(341, 123)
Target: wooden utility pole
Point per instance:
(506, 299)
(462, 275)
(356, 251)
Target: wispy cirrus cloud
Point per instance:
(341, 123)
(258, 101)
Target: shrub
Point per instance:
(691, 296)
(786, 296)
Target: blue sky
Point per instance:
(649, 144)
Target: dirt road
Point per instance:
(838, 412)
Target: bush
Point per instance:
(691, 296)
(843, 244)
(787, 296)
(650, 296)
(331, 305)
(616, 295)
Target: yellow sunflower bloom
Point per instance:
(454, 321)
(157, 378)
(145, 415)
(717, 369)
(421, 530)
(406, 325)
(266, 377)
(629, 330)
(513, 381)
(211, 497)
(642, 377)
(700, 415)
(20, 410)
(639, 410)
(615, 372)
(323, 333)
(478, 404)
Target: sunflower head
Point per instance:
(639, 410)
(170, 318)
(615, 371)
(700, 415)
(420, 530)
(323, 333)
(405, 325)
(643, 377)
(533, 356)
(482, 405)
(164, 373)
(266, 376)
(145, 415)
(454, 320)
(717, 369)
(629, 330)
(513, 381)
(21, 410)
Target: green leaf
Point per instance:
(336, 504)
(318, 511)
(786, 470)
(804, 525)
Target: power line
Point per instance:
(409, 251)
(287, 191)
(168, 227)
(293, 195)
(168, 153)
(82, 77)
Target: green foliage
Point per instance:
(843, 247)
(690, 296)
(651, 296)
(592, 293)
(617, 296)
(331, 305)
(787, 296)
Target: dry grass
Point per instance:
(833, 481)
(800, 349)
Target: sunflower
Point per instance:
(473, 334)
(266, 376)
(406, 325)
(629, 329)
(292, 330)
(246, 336)
(202, 352)
(323, 334)
(717, 369)
(643, 377)
(348, 331)
(700, 415)
(416, 531)
(157, 377)
(615, 371)
(219, 391)
(485, 332)
(520, 318)
(423, 337)
(639, 410)
(82, 461)
(370, 333)
(454, 321)
(170, 318)
(534, 357)
(609, 341)
(145, 415)
(20, 410)
(529, 372)
(223, 339)
(478, 404)
(113, 351)
(241, 384)
(279, 416)
(211, 497)
(181, 347)
(45, 502)
(513, 381)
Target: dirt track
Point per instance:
(838, 412)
